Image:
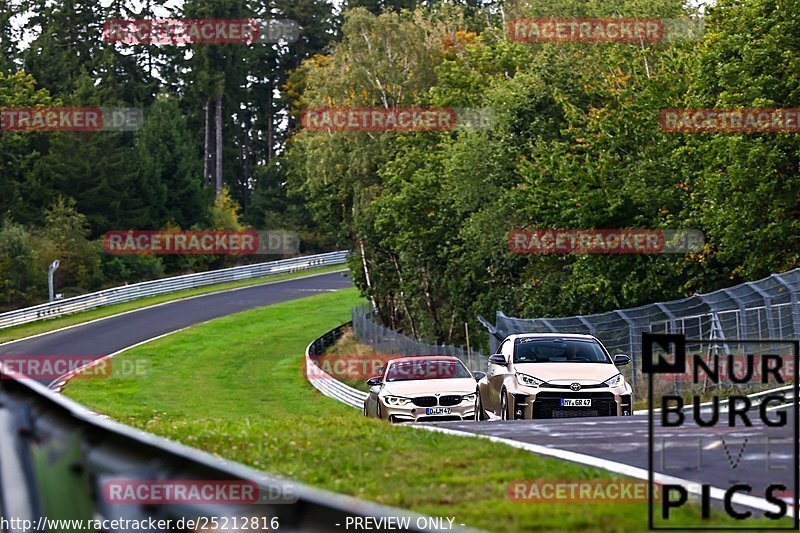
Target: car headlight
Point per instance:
(469, 397)
(616, 381)
(529, 381)
(396, 400)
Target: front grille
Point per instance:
(548, 405)
(450, 400)
(424, 401)
(573, 412)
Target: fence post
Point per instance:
(634, 344)
(795, 305)
(373, 331)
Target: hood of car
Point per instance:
(567, 373)
(423, 387)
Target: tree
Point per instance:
(574, 144)
(67, 232)
(376, 7)
(166, 160)
(225, 213)
(21, 197)
(746, 186)
(20, 280)
(67, 46)
(8, 37)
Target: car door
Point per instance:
(496, 375)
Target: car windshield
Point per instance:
(559, 351)
(427, 369)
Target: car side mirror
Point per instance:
(479, 375)
(621, 359)
(372, 382)
(498, 359)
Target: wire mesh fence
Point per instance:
(758, 310)
(388, 341)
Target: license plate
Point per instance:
(576, 402)
(437, 411)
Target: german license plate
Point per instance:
(576, 402)
(437, 410)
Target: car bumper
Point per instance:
(548, 403)
(413, 413)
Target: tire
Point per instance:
(480, 414)
(504, 405)
(378, 410)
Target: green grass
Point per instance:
(235, 387)
(26, 330)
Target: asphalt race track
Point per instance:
(719, 456)
(109, 335)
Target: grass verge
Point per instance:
(34, 328)
(235, 386)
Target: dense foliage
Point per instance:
(55, 54)
(575, 143)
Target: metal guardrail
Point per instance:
(127, 293)
(332, 387)
(53, 446)
(56, 458)
(324, 382)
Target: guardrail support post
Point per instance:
(50, 273)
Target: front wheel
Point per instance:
(504, 414)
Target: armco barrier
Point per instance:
(56, 456)
(333, 388)
(324, 382)
(145, 289)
